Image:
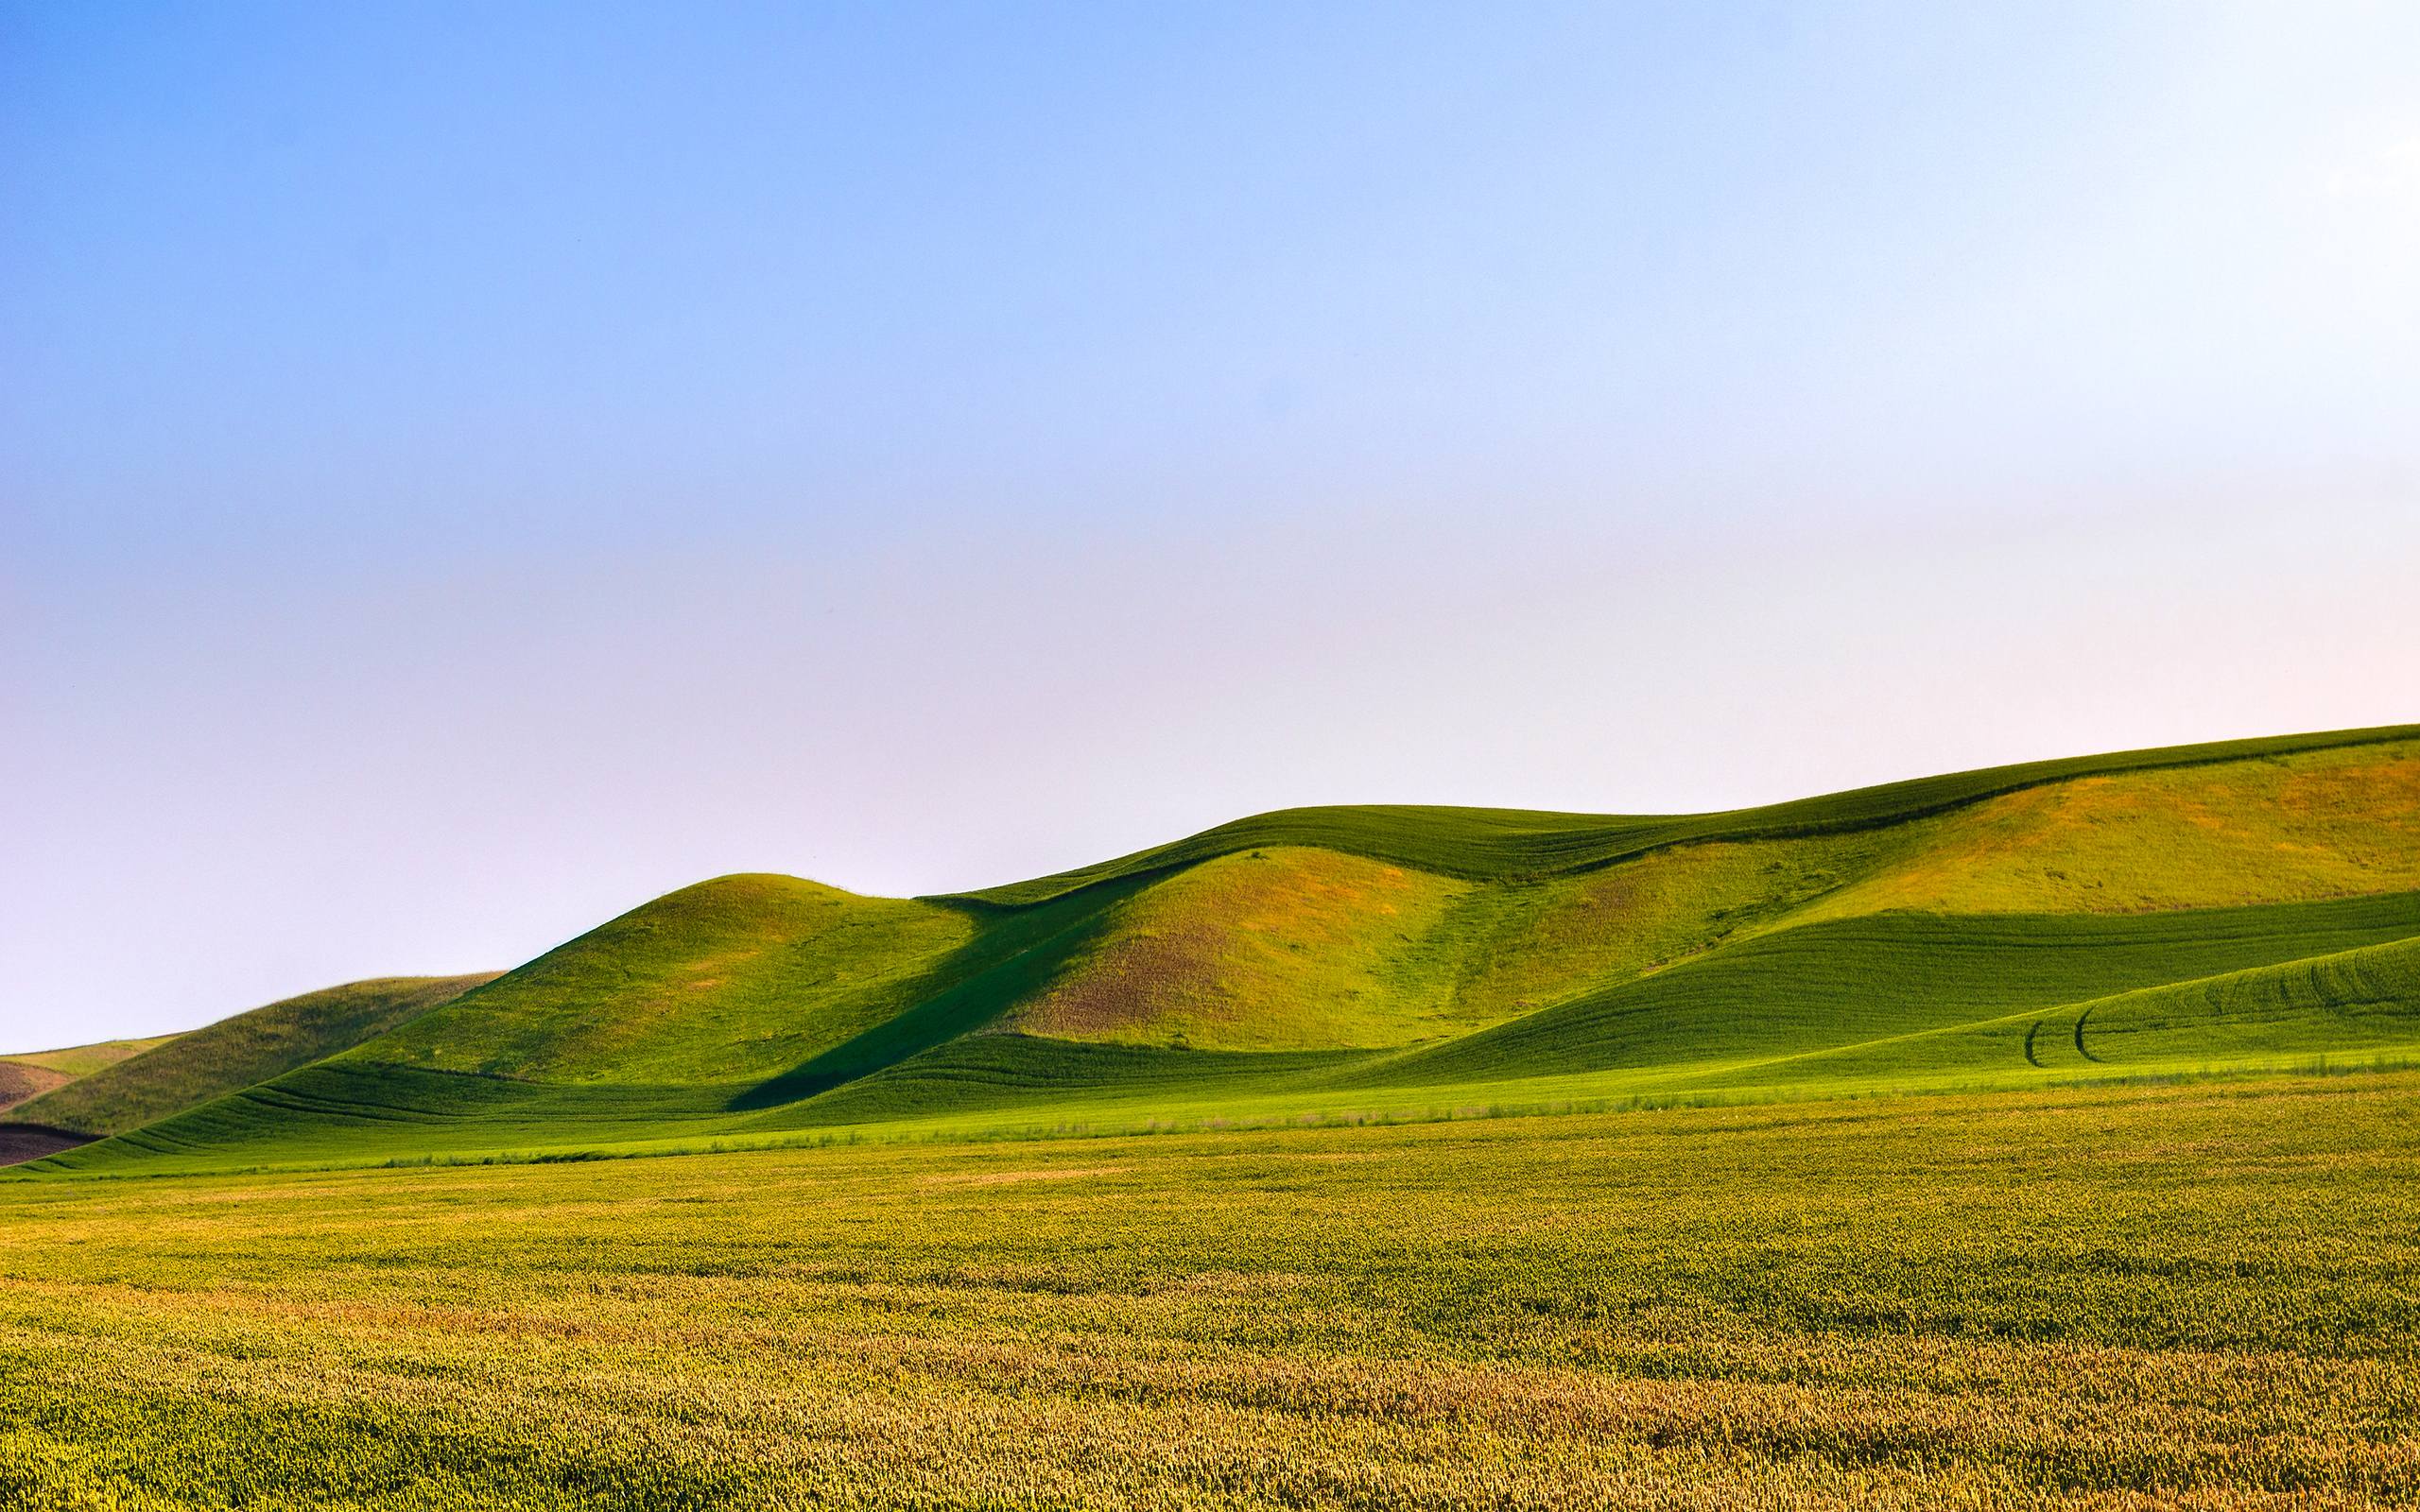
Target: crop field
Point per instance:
(2117, 1296)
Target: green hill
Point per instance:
(25, 1077)
(1497, 845)
(730, 981)
(186, 1070)
(2217, 908)
(1751, 1015)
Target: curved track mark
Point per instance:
(2080, 1049)
(2030, 1030)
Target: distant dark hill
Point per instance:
(2214, 909)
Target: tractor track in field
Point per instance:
(2080, 1049)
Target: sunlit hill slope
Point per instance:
(2250, 907)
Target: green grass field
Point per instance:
(2199, 1296)
(2028, 1138)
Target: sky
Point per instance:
(466, 468)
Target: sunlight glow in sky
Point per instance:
(467, 469)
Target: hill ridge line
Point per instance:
(1649, 834)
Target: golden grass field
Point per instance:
(2199, 1296)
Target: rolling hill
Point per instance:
(25, 1077)
(2252, 905)
(166, 1077)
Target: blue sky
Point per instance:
(465, 469)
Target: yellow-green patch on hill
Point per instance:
(1288, 948)
(2316, 824)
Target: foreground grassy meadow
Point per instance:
(2200, 1295)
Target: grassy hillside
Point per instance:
(1296, 947)
(2205, 909)
(28, 1075)
(1283, 949)
(1746, 1014)
(19, 1082)
(730, 981)
(192, 1068)
(83, 1060)
(1508, 843)
(2319, 824)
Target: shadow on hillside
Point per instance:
(1013, 953)
(20, 1142)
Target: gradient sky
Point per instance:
(467, 469)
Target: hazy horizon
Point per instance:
(464, 471)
